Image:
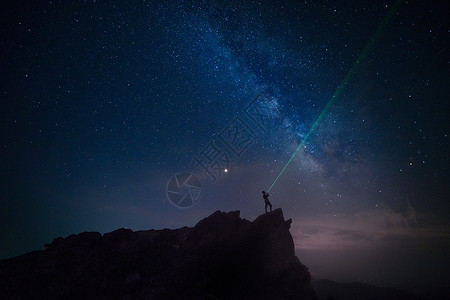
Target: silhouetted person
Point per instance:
(266, 200)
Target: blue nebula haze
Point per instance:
(104, 102)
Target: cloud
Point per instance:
(380, 227)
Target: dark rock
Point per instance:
(222, 257)
(327, 289)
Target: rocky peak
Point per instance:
(221, 257)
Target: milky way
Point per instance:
(103, 103)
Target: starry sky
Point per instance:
(104, 102)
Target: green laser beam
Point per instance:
(375, 37)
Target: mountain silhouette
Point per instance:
(329, 290)
(221, 257)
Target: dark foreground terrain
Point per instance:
(222, 257)
(329, 290)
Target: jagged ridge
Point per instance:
(222, 257)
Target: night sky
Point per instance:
(103, 102)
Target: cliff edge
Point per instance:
(222, 257)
